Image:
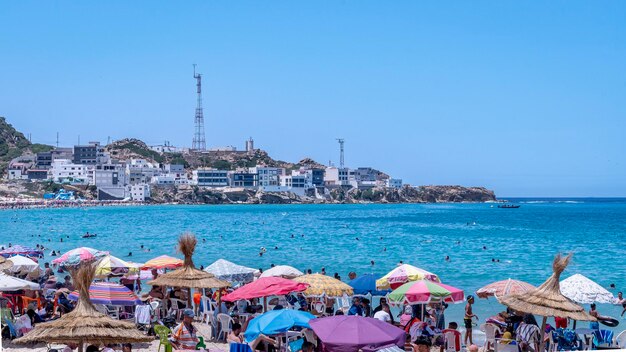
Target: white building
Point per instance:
(268, 176)
(339, 177)
(206, 177)
(140, 171)
(108, 175)
(166, 179)
(17, 173)
(393, 183)
(139, 192)
(64, 171)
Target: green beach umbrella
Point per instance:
(425, 291)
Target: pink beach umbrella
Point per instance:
(264, 287)
(503, 288)
(79, 255)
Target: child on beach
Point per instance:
(468, 320)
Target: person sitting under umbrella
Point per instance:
(528, 334)
(235, 336)
(184, 335)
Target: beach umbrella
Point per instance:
(583, 290)
(284, 271)
(5, 264)
(402, 274)
(425, 291)
(109, 293)
(350, 333)
(229, 271)
(22, 264)
(188, 276)
(276, 322)
(365, 284)
(322, 285)
(80, 255)
(84, 324)
(111, 265)
(10, 283)
(20, 250)
(547, 299)
(265, 287)
(504, 287)
(163, 262)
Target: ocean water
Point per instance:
(344, 238)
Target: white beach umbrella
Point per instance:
(21, 263)
(583, 290)
(229, 271)
(284, 271)
(10, 283)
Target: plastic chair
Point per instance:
(225, 324)
(620, 340)
(450, 341)
(490, 334)
(174, 306)
(163, 334)
(319, 307)
(200, 343)
(503, 347)
(27, 300)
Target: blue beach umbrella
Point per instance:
(365, 284)
(276, 322)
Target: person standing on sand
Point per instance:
(468, 320)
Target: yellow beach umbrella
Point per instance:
(322, 285)
(403, 274)
(111, 265)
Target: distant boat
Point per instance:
(508, 206)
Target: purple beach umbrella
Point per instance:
(350, 333)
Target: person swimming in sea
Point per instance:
(447, 258)
(130, 254)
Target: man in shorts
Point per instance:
(467, 320)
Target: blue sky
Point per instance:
(525, 98)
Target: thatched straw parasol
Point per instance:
(547, 299)
(5, 264)
(84, 324)
(188, 276)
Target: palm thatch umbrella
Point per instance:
(188, 276)
(5, 264)
(84, 324)
(547, 299)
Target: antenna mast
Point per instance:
(199, 142)
(341, 141)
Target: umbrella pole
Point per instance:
(80, 346)
(542, 335)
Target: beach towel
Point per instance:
(142, 314)
(601, 337)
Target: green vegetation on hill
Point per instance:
(13, 144)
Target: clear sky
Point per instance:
(525, 98)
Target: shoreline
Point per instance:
(46, 204)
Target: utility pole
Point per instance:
(108, 140)
(341, 142)
(79, 139)
(57, 140)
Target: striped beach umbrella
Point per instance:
(403, 274)
(79, 255)
(20, 250)
(503, 288)
(109, 293)
(163, 262)
(425, 291)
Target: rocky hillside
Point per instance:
(14, 144)
(407, 194)
(133, 148)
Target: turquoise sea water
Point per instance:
(524, 240)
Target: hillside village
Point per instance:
(129, 169)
